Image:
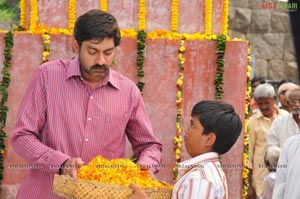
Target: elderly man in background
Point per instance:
(282, 89)
(286, 126)
(259, 125)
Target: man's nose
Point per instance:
(100, 60)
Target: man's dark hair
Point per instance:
(96, 24)
(258, 79)
(284, 81)
(221, 119)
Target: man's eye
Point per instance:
(108, 53)
(92, 52)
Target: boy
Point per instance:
(213, 130)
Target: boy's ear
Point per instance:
(75, 45)
(210, 139)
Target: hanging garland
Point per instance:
(178, 136)
(23, 14)
(141, 40)
(221, 45)
(33, 15)
(208, 17)
(71, 14)
(9, 42)
(103, 5)
(246, 130)
(224, 27)
(141, 44)
(47, 50)
(142, 15)
(174, 15)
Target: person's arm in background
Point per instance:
(140, 134)
(29, 124)
(252, 138)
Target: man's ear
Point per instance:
(75, 45)
(210, 139)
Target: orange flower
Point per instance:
(118, 171)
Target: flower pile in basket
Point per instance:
(121, 172)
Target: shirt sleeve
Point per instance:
(30, 121)
(252, 140)
(281, 172)
(140, 134)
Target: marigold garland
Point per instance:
(23, 13)
(47, 50)
(72, 14)
(174, 15)
(33, 15)
(245, 174)
(224, 27)
(103, 5)
(221, 45)
(129, 33)
(9, 42)
(121, 172)
(142, 15)
(178, 136)
(208, 17)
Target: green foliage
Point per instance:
(8, 13)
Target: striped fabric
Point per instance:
(201, 177)
(62, 117)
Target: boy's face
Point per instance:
(197, 143)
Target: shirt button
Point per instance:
(89, 119)
(86, 139)
(91, 97)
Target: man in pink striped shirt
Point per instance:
(213, 130)
(75, 110)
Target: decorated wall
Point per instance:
(178, 53)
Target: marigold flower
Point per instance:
(121, 172)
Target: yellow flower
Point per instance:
(179, 82)
(118, 171)
(181, 49)
(245, 173)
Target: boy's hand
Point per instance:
(138, 193)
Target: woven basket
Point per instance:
(71, 188)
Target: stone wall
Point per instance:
(269, 33)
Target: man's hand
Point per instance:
(146, 168)
(70, 167)
(138, 193)
(251, 193)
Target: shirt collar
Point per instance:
(198, 159)
(74, 71)
(259, 113)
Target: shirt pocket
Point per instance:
(110, 123)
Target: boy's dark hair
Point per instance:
(96, 24)
(221, 119)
